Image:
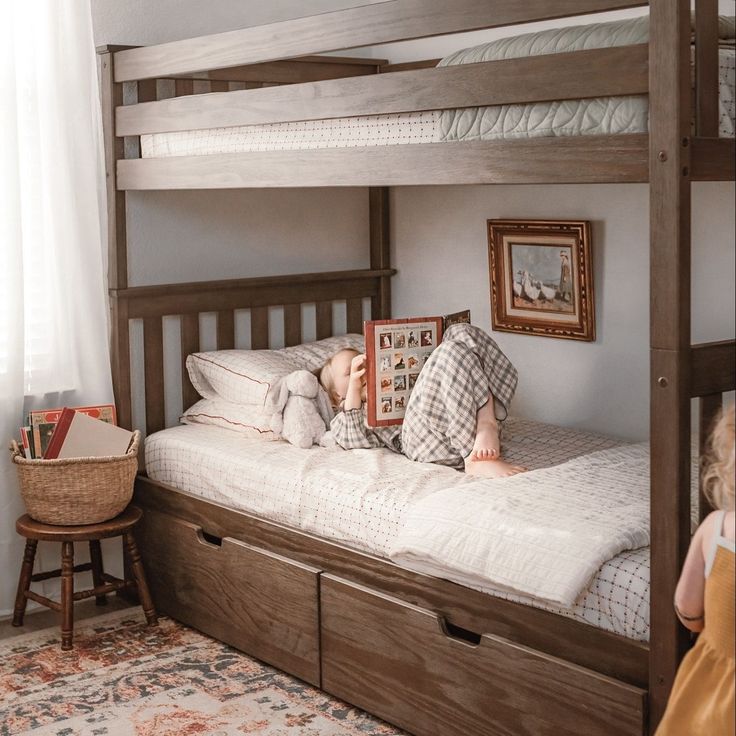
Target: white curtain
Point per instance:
(54, 348)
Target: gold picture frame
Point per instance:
(541, 278)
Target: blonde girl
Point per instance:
(702, 698)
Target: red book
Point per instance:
(60, 432)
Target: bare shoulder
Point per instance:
(711, 527)
(729, 532)
(707, 530)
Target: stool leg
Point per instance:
(67, 595)
(24, 582)
(95, 556)
(140, 579)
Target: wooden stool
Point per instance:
(121, 525)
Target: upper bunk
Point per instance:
(269, 77)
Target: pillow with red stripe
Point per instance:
(248, 376)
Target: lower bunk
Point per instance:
(426, 654)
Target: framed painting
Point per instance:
(541, 278)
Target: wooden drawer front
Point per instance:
(397, 661)
(261, 603)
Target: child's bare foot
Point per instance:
(485, 457)
(483, 453)
(487, 444)
(490, 467)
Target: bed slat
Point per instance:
(561, 76)
(594, 159)
(259, 328)
(706, 68)
(324, 320)
(121, 362)
(380, 248)
(292, 324)
(712, 368)
(368, 25)
(293, 71)
(354, 309)
(225, 329)
(189, 326)
(214, 296)
(184, 87)
(154, 373)
(219, 86)
(713, 159)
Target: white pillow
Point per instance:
(250, 420)
(248, 376)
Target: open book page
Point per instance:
(396, 351)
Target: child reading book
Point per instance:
(451, 413)
(702, 698)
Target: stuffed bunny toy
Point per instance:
(302, 411)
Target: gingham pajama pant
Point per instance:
(460, 376)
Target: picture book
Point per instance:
(396, 351)
(77, 434)
(43, 421)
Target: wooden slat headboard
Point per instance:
(152, 304)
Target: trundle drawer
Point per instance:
(401, 663)
(261, 603)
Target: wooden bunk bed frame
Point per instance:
(428, 655)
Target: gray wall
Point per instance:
(439, 239)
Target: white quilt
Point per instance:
(544, 533)
(593, 116)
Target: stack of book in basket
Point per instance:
(76, 466)
(82, 431)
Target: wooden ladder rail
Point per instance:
(679, 370)
(670, 364)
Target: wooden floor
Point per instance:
(44, 618)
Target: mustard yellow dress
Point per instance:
(702, 698)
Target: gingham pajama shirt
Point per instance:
(461, 375)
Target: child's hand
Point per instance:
(357, 370)
(354, 398)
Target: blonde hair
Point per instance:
(718, 478)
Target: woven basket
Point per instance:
(84, 490)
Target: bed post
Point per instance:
(111, 94)
(380, 249)
(669, 202)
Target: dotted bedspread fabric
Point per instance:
(361, 498)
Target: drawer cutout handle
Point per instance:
(458, 633)
(210, 539)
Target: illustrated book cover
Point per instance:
(396, 351)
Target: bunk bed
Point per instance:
(443, 658)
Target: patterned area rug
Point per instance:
(123, 678)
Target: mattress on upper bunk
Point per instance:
(363, 497)
(593, 116)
